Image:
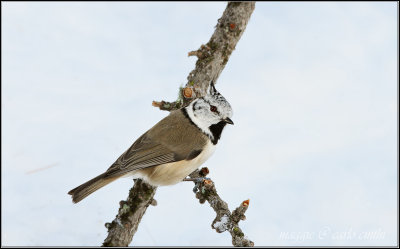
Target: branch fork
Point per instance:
(225, 219)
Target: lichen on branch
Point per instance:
(130, 213)
(225, 219)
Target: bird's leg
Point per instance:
(198, 178)
(198, 175)
(197, 181)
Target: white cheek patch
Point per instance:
(204, 126)
(201, 115)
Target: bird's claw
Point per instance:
(197, 181)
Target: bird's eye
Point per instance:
(213, 108)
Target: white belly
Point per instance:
(172, 173)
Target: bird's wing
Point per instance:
(157, 146)
(145, 152)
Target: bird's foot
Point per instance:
(197, 181)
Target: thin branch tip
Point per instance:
(225, 220)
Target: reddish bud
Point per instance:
(207, 182)
(187, 92)
(204, 171)
(156, 104)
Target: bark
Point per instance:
(226, 220)
(212, 58)
(130, 213)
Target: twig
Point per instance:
(225, 220)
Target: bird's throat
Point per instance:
(216, 130)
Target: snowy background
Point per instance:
(314, 146)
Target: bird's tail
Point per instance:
(82, 191)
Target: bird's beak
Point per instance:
(228, 121)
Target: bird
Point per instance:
(172, 149)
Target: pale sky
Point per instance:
(313, 87)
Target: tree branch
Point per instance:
(213, 56)
(225, 221)
(130, 213)
(212, 59)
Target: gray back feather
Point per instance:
(172, 139)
